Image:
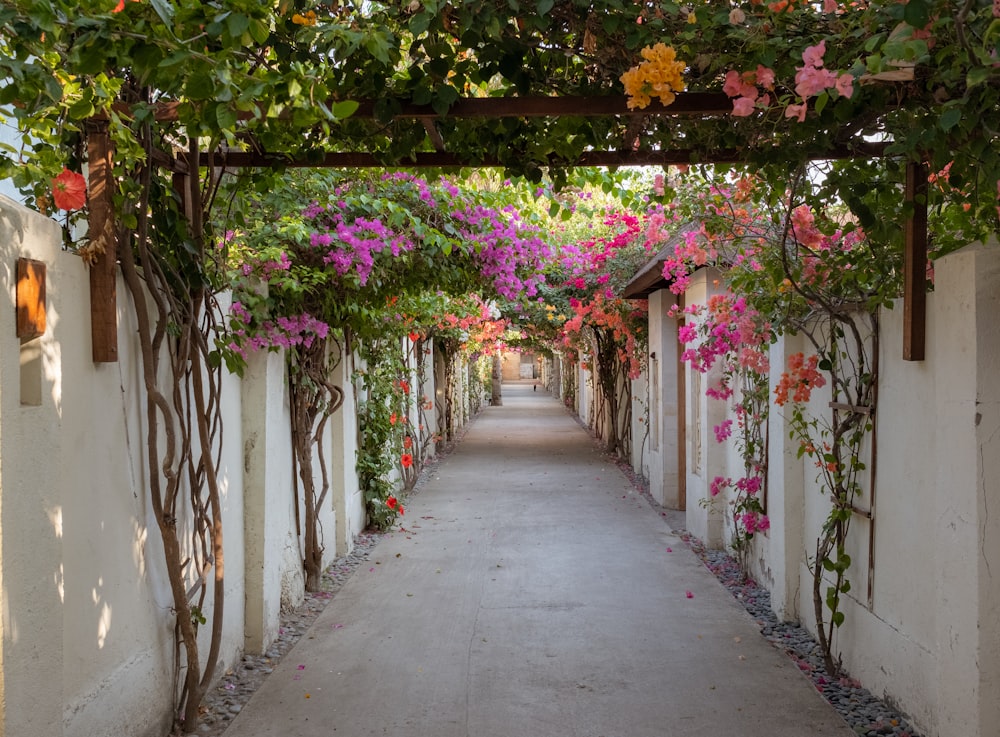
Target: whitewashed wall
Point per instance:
(85, 625)
(927, 637)
(640, 425)
(664, 437)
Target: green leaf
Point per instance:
(81, 109)
(259, 31)
(950, 118)
(200, 86)
(917, 13)
(345, 108)
(544, 6)
(420, 23)
(237, 24)
(226, 117)
(837, 618)
(976, 76)
(165, 10)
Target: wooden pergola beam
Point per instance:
(438, 159)
(686, 103)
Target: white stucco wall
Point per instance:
(86, 630)
(86, 626)
(273, 563)
(640, 424)
(921, 627)
(663, 453)
(345, 489)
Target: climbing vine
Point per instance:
(791, 272)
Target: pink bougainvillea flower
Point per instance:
(811, 81)
(813, 55)
(69, 190)
(765, 77)
(845, 85)
(688, 594)
(743, 107)
(733, 83)
(796, 111)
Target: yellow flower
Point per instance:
(692, 18)
(306, 19)
(658, 76)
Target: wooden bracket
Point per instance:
(915, 264)
(103, 271)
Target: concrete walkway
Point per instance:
(532, 595)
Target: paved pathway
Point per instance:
(532, 595)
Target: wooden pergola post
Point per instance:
(915, 264)
(103, 271)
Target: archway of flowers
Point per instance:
(161, 100)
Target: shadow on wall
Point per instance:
(86, 621)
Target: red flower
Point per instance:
(391, 502)
(407, 442)
(406, 460)
(405, 386)
(401, 510)
(414, 337)
(69, 190)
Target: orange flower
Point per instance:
(69, 190)
(406, 459)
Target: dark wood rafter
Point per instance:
(915, 264)
(695, 104)
(103, 270)
(438, 159)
